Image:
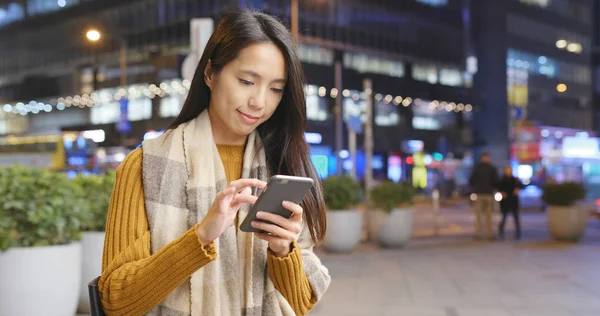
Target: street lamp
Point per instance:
(294, 20)
(561, 87)
(93, 35)
(123, 126)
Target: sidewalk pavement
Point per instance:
(449, 274)
(452, 275)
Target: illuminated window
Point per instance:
(363, 63)
(427, 73)
(354, 105)
(315, 55)
(10, 13)
(105, 113)
(35, 7)
(428, 123)
(539, 3)
(431, 118)
(139, 109)
(451, 77)
(171, 105)
(542, 65)
(316, 105)
(386, 114)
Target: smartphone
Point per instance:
(279, 188)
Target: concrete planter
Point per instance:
(40, 281)
(568, 223)
(344, 229)
(392, 229)
(91, 265)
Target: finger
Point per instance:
(290, 224)
(242, 199)
(227, 191)
(242, 183)
(245, 198)
(268, 238)
(273, 218)
(246, 191)
(274, 230)
(296, 209)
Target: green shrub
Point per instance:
(563, 194)
(97, 190)
(389, 195)
(38, 208)
(342, 193)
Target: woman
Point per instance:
(509, 186)
(172, 245)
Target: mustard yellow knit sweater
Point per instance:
(133, 281)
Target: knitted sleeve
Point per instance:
(290, 280)
(133, 281)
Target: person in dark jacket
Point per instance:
(509, 186)
(483, 182)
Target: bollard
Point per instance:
(435, 195)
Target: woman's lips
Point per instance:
(249, 119)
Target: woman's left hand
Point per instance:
(281, 231)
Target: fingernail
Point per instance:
(260, 214)
(254, 224)
(286, 203)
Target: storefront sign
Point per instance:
(525, 144)
(355, 124)
(412, 146)
(581, 147)
(97, 135)
(313, 138)
(124, 125)
(526, 152)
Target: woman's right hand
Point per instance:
(222, 212)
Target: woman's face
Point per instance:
(507, 171)
(246, 92)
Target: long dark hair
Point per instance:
(282, 135)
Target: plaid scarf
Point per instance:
(182, 174)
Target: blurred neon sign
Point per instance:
(434, 3)
(313, 138)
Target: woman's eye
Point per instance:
(246, 82)
(277, 90)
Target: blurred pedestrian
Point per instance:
(509, 186)
(172, 244)
(541, 181)
(483, 181)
